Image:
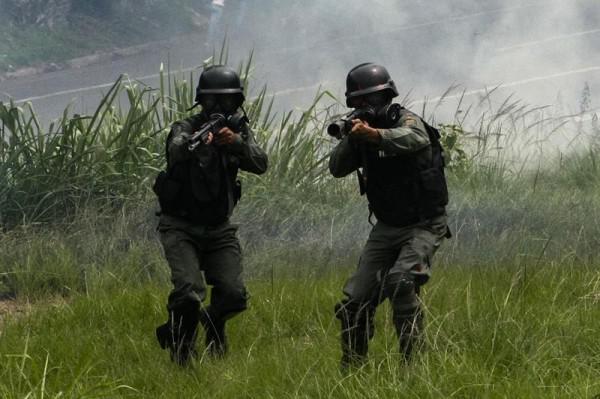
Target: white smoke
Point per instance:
(427, 46)
(543, 53)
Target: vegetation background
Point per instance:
(50, 32)
(511, 312)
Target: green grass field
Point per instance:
(491, 333)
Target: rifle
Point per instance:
(388, 116)
(215, 123)
(343, 126)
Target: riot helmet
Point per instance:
(370, 83)
(219, 88)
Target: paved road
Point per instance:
(543, 52)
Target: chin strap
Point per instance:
(193, 106)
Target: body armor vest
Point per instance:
(203, 189)
(403, 189)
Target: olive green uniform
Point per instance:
(203, 254)
(197, 195)
(199, 253)
(396, 260)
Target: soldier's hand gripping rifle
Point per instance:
(343, 126)
(214, 124)
(386, 116)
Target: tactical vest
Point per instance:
(203, 191)
(403, 190)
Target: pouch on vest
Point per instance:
(165, 188)
(205, 184)
(433, 186)
(433, 180)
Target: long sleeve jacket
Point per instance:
(201, 186)
(409, 137)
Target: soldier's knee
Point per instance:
(234, 299)
(186, 284)
(186, 294)
(400, 287)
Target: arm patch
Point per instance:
(409, 121)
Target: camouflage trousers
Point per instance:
(200, 255)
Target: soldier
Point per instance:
(197, 194)
(400, 165)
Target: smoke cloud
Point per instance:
(543, 52)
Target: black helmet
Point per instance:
(219, 79)
(368, 78)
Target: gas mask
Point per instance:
(377, 109)
(382, 117)
(225, 104)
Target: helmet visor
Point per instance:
(208, 101)
(375, 100)
(229, 102)
(226, 103)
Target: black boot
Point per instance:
(178, 334)
(214, 326)
(409, 329)
(403, 293)
(357, 329)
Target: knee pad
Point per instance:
(399, 286)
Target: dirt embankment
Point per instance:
(11, 308)
(15, 308)
(58, 15)
(80, 62)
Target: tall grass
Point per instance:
(90, 175)
(114, 154)
(109, 155)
